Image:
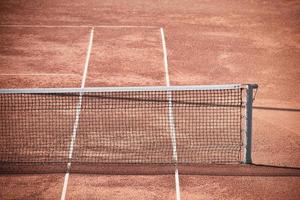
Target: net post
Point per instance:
(248, 127)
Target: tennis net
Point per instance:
(125, 125)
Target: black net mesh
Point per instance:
(135, 127)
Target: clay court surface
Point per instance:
(45, 44)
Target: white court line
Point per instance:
(171, 117)
(75, 26)
(42, 74)
(78, 110)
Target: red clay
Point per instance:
(208, 42)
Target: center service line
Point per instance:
(78, 110)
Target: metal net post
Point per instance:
(248, 123)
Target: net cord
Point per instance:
(119, 89)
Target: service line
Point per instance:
(41, 74)
(75, 26)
